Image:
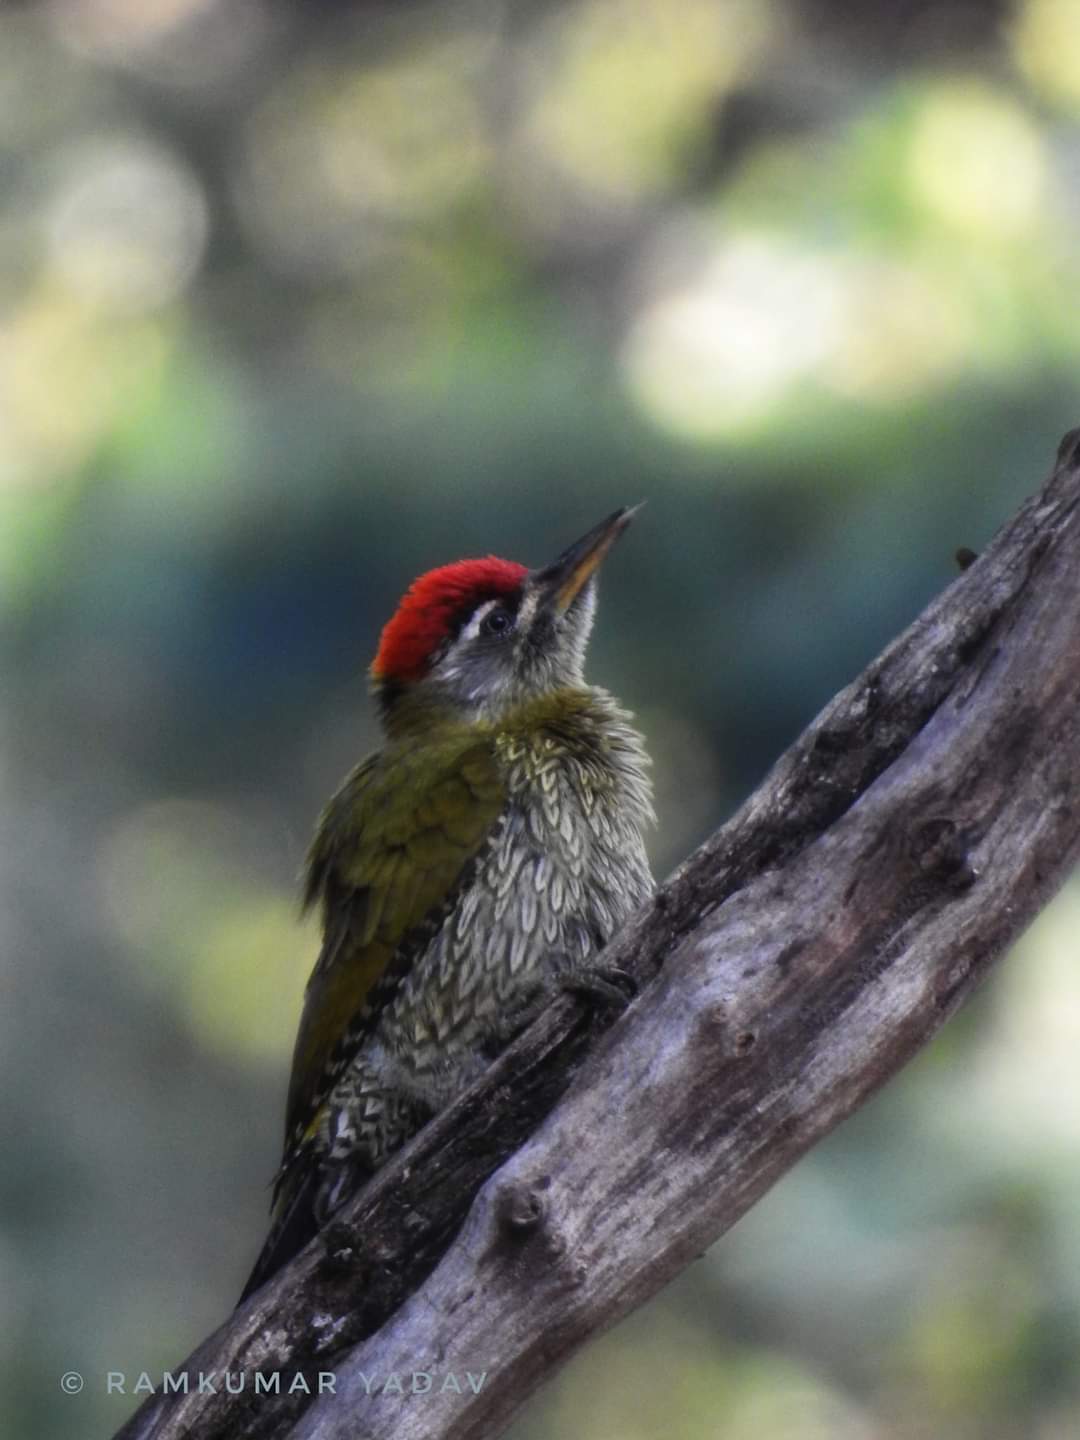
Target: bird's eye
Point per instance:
(498, 621)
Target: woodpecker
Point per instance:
(465, 872)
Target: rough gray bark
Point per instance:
(796, 961)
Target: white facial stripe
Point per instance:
(476, 619)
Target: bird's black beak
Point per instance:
(560, 583)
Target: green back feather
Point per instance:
(389, 853)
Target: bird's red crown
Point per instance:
(432, 605)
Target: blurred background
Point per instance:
(298, 300)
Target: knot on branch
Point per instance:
(940, 848)
(525, 1224)
(519, 1209)
(721, 1035)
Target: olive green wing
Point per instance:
(389, 855)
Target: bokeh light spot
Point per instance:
(977, 162)
(181, 885)
(127, 225)
(625, 88)
(1046, 43)
(715, 354)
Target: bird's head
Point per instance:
(480, 637)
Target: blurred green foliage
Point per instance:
(296, 301)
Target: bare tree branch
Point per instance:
(797, 960)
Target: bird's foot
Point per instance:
(603, 987)
(606, 985)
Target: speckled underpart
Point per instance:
(564, 865)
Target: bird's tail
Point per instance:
(293, 1225)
